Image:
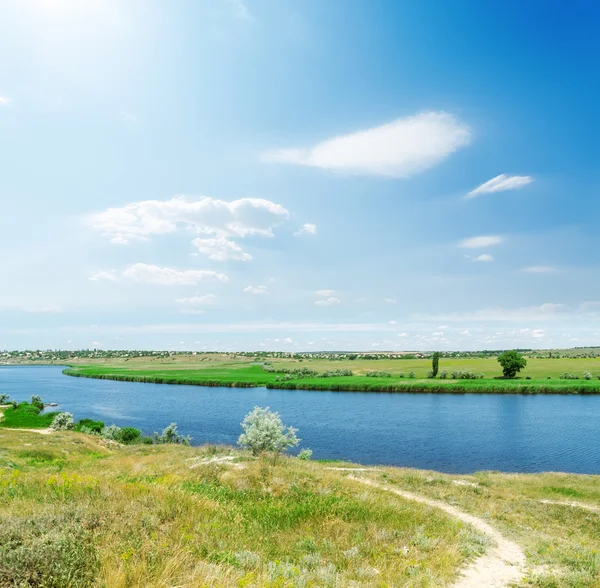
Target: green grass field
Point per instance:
(224, 370)
(26, 416)
(78, 512)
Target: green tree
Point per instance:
(435, 364)
(512, 362)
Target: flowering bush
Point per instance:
(264, 431)
(63, 421)
(305, 454)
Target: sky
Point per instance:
(299, 175)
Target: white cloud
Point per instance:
(402, 334)
(204, 216)
(501, 183)
(401, 148)
(221, 249)
(4, 101)
(43, 309)
(539, 269)
(287, 340)
(483, 257)
(307, 229)
(240, 10)
(325, 292)
(129, 118)
(328, 301)
(257, 290)
(103, 275)
(392, 322)
(197, 300)
(546, 311)
(165, 276)
(390, 300)
(484, 241)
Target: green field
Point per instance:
(77, 512)
(25, 416)
(540, 375)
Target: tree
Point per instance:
(512, 362)
(264, 431)
(435, 364)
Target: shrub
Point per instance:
(14, 404)
(378, 374)
(111, 432)
(401, 374)
(4, 398)
(95, 426)
(47, 550)
(568, 376)
(264, 431)
(430, 374)
(587, 376)
(443, 374)
(170, 435)
(129, 435)
(305, 454)
(87, 430)
(37, 402)
(145, 441)
(63, 421)
(411, 374)
(512, 362)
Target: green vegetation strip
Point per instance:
(242, 375)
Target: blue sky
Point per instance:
(299, 175)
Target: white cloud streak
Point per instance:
(197, 300)
(484, 257)
(307, 229)
(483, 241)
(165, 276)
(400, 149)
(328, 301)
(501, 183)
(101, 275)
(539, 269)
(221, 249)
(256, 290)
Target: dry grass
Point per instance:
(76, 511)
(143, 516)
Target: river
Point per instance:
(458, 433)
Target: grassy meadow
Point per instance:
(540, 375)
(76, 511)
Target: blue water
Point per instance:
(446, 432)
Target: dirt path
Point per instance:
(47, 431)
(501, 566)
(572, 504)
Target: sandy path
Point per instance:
(572, 504)
(47, 431)
(501, 566)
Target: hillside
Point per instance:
(76, 510)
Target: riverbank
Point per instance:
(89, 514)
(247, 376)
